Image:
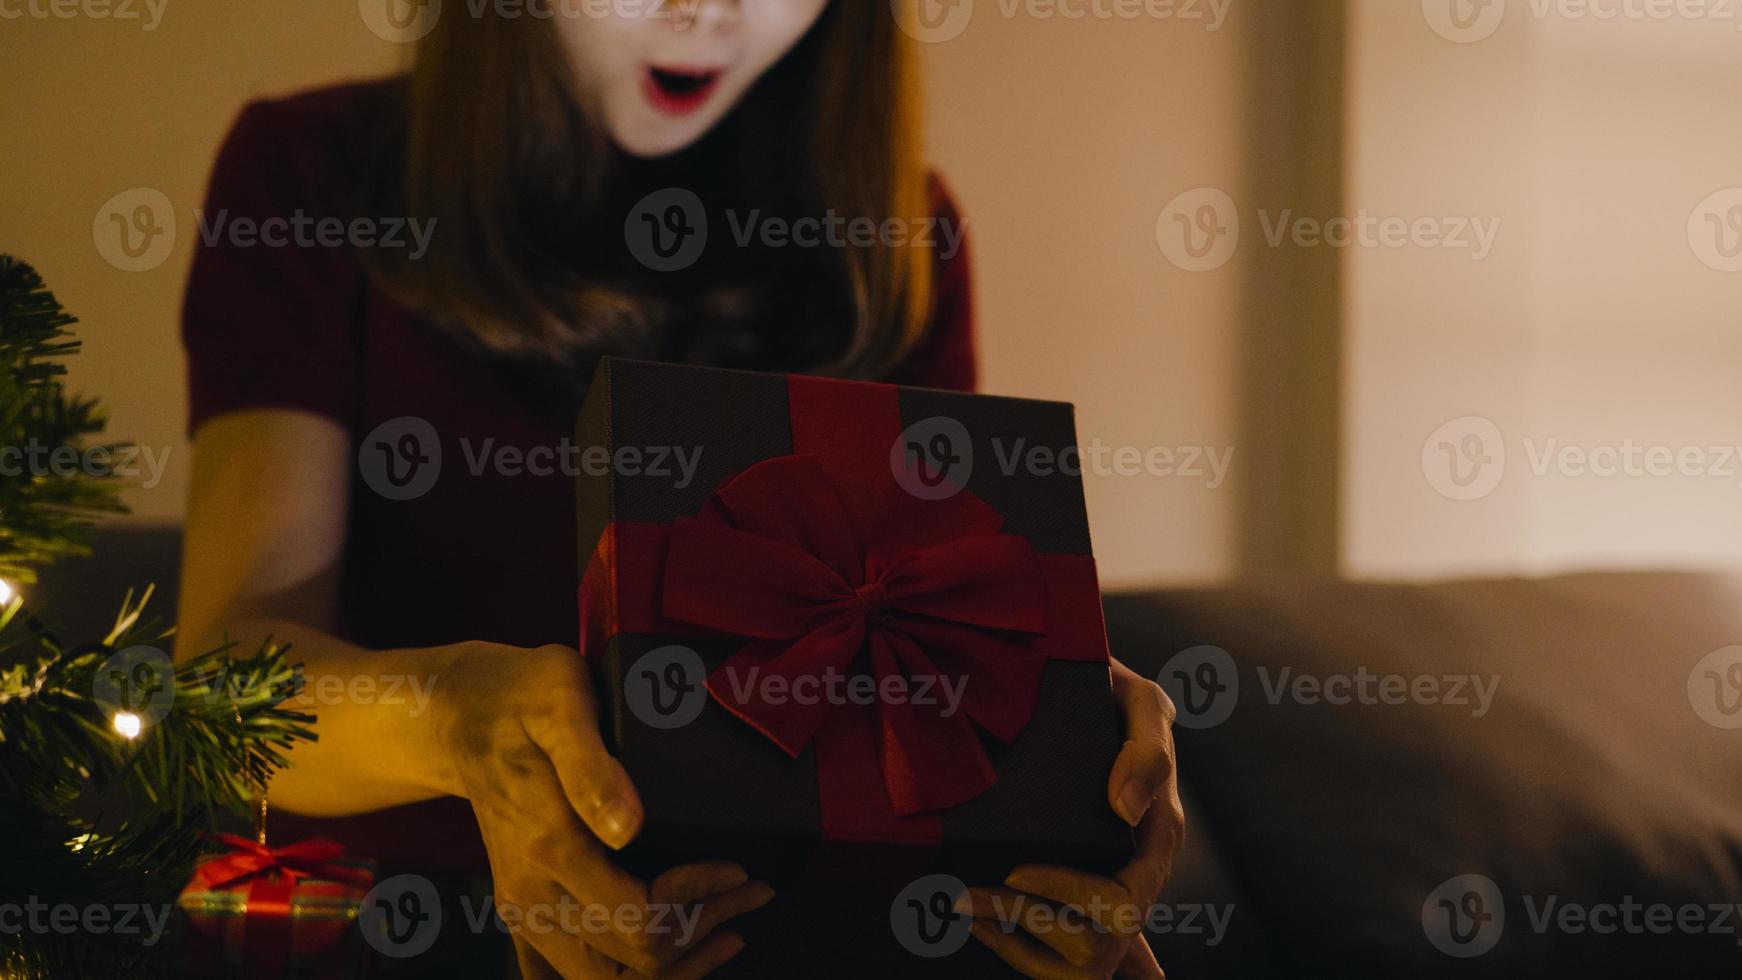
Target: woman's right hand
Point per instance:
(522, 733)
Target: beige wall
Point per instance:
(1593, 322)
(95, 108)
(1063, 140)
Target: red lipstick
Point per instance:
(679, 91)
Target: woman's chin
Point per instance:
(650, 142)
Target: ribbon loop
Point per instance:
(249, 859)
(775, 558)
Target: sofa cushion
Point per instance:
(1593, 778)
(80, 596)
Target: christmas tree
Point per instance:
(114, 762)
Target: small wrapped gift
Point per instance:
(259, 912)
(845, 633)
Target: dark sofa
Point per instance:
(1600, 791)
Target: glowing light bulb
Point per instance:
(5, 592)
(128, 724)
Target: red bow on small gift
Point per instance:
(249, 859)
(928, 594)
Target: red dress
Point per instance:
(480, 556)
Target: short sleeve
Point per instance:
(270, 315)
(945, 355)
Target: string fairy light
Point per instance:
(128, 724)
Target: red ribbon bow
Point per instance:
(249, 859)
(928, 594)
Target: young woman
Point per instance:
(435, 629)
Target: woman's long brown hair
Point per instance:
(528, 255)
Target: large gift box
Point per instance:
(846, 633)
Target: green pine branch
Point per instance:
(223, 736)
(91, 818)
(46, 509)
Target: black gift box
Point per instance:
(655, 442)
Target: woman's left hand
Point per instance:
(1059, 924)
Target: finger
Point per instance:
(1106, 902)
(705, 958)
(1025, 955)
(598, 965)
(1145, 765)
(1139, 962)
(545, 950)
(688, 883)
(557, 942)
(530, 805)
(1159, 838)
(664, 935)
(566, 727)
(718, 910)
(1069, 933)
(526, 802)
(1161, 831)
(532, 965)
(701, 897)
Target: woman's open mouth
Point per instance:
(679, 91)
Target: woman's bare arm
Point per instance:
(265, 533)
